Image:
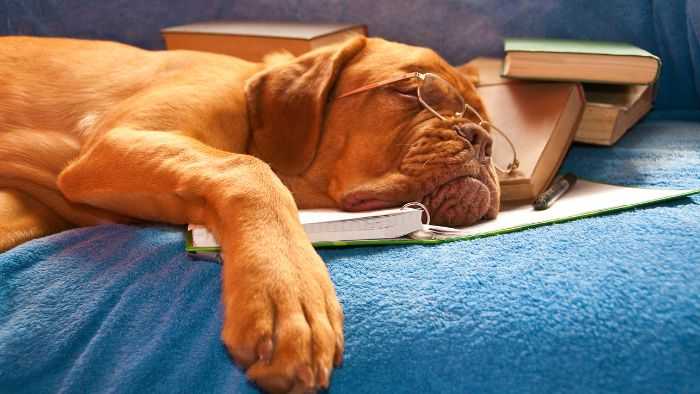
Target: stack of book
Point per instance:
(618, 79)
(547, 93)
(544, 94)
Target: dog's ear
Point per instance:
(286, 106)
(471, 72)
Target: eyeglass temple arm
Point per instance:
(516, 163)
(381, 83)
(511, 167)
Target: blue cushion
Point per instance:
(604, 304)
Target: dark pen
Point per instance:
(560, 185)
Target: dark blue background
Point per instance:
(458, 29)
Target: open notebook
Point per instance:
(583, 200)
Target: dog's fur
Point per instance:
(97, 132)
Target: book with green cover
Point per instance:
(579, 60)
(585, 199)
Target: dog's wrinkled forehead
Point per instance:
(382, 59)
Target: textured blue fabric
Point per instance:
(457, 29)
(605, 304)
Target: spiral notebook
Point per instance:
(327, 226)
(585, 199)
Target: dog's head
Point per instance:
(378, 148)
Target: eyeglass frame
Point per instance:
(422, 77)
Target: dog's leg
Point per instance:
(23, 218)
(282, 319)
(30, 161)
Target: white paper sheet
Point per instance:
(584, 199)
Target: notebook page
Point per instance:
(584, 199)
(385, 226)
(333, 215)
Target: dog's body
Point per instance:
(96, 132)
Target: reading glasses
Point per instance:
(439, 97)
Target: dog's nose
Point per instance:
(478, 138)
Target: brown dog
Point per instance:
(96, 132)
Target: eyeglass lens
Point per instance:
(439, 95)
(444, 99)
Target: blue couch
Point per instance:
(604, 304)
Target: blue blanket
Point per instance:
(605, 304)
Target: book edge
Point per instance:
(507, 73)
(509, 41)
(237, 35)
(171, 30)
(576, 91)
(582, 136)
(346, 30)
(625, 118)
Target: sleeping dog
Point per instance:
(96, 132)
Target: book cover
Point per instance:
(540, 118)
(253, 40)
(579, 60)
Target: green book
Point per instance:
(579, 61)
(584, 199)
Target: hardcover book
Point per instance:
(541, 118)
(611, 110)
(253, 40)
(579, 60)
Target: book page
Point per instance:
(584, 199)
(307, 216)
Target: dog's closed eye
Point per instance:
(407, 92)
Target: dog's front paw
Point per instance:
(283, 322)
